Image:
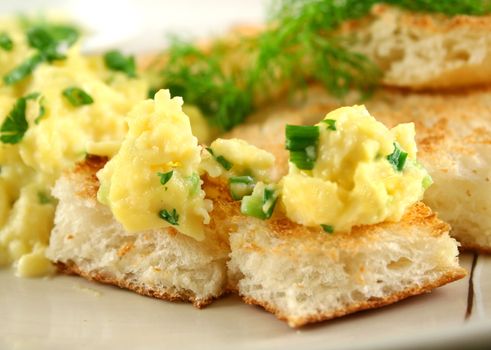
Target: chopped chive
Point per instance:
(240, 186)
(220, 160)
(165, 177)
(327, 228)
(260, 203)
(116, 61)
(397, 158)
(6, 42)
(331, 124)
(301, 141)
(171, 217)
(299, 137)
(269, 201)
(77, 97)
(427, 181)
(194, 180)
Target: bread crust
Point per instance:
(369, 304)
(70, 268)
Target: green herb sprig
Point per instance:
(172, 217)
(300, 45)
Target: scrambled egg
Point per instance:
(153, 180)
(57, 135)
(241, 157)
(361, 175)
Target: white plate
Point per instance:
(66, 312)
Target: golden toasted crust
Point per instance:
(369, 304)
(83, 176)
(72, 269)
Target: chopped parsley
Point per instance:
(397, 158)
(42, 110)
(331, 124)
(6, 42)
(23, 70)
(220, 160)
(116, 61)
(15, 125)
(171, 217)
(165, 177)
(77, 97)
(44, 198)
(47, 40)
(327, 228)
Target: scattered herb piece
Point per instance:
(331, 124)
(44, 198)
(302, 141)
(327, 228)
(15, 124)
(6, 42)
(116, 61)
(260, 203)
(42, 110)
(165, 177)
(397, 158)
(240, 186)
(220, 160)
(77, 97)
(194, 187)
(427, 182)
(23, 70)
(171, 217)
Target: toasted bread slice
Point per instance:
(272, 262)
(453, 131)
(305, 275)
(425, 51)
(165, 264)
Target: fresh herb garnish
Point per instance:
(300, 45)
(15, 124)
(47, 39)
(220, 160)
(116, 61)
(165, 177)
(171, 217)
(77, 97)
(260, 203)
(23, 70)
(42, 110)
(327, 228)
(397, 158)
(301, 141)
(194, 187)
(331, 124)
(241, 186)
(6, 42)
(44, 198)
(427, 182)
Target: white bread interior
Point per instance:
(305, 275)
(425, 51)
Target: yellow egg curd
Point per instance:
(352, 171)
(153, 182)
